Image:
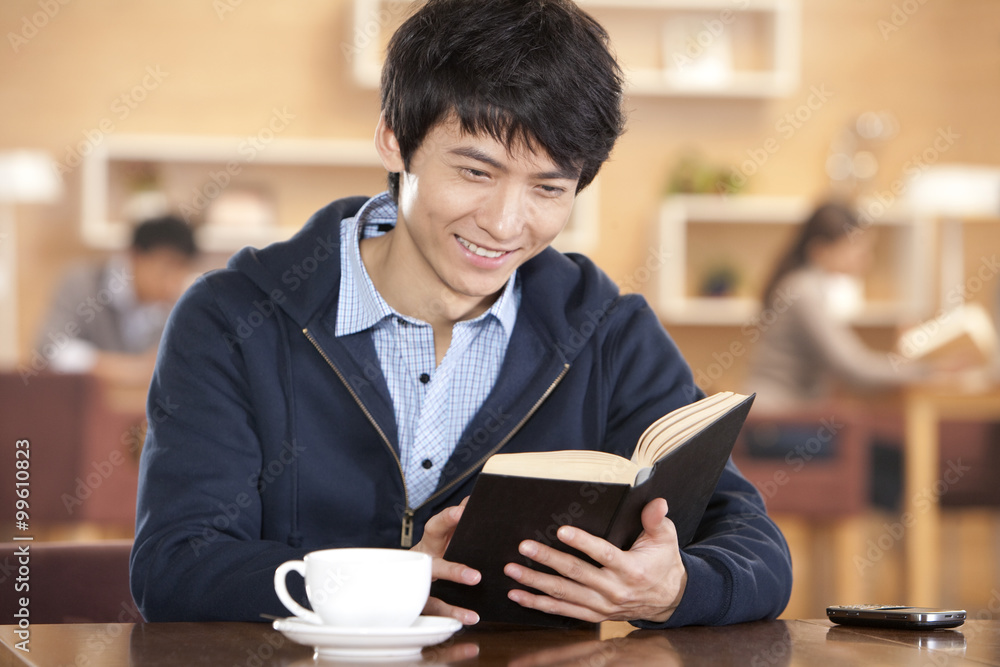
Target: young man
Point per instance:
(107, 318)
(344, 388)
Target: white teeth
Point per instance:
(482, 252)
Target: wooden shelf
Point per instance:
(757, 229)
(764, 33)
(193, 166)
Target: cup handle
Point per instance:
(281, 588)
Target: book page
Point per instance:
(678, 426)
(573, 465)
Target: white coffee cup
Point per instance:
(359, 587)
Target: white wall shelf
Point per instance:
(756, 44)
(749, 233)
(301, 174)
(192, 160)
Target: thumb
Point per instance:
(439, 529)
(655, 523)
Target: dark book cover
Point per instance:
(504, 510)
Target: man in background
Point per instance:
(107, 318)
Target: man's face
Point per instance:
(161, 274)
(471, 213)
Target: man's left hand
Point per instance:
(645, 582)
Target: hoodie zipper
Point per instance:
(406, 533)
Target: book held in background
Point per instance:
(964, 333)
(520, 496)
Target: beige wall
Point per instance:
(224, 75)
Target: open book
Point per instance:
(529, 495)
(965, 332)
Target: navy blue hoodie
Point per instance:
(270, 437)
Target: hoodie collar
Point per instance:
(302, 274)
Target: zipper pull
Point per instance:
(406, 538)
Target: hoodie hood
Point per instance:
(301, 274)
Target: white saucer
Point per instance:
(369, 643)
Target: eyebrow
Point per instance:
(480, 156)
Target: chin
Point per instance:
(480, 291)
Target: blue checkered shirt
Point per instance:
(433, 404)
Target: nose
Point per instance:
(505, 214)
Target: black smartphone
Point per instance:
(895, 616)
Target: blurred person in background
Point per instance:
(107, 318)
(810, 359)
(810, 351)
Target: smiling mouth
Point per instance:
(482, 252)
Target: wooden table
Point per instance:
(771, 643)
(925, 482)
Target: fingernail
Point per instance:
(513, 571)
(470, 576)
(471, 618)
(566, 533)
(528, 548)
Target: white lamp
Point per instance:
(953, 192)
(957, 191)
(25, 177)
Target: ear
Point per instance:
(388, 147)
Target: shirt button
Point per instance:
(425, 378)
(427, 464)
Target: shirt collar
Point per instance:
(360, 306)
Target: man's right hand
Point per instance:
(437, 535)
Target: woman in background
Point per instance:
(809, 347)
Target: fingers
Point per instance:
(549, 603)
(639, 583)
(581, 582)
(436, 607)
(460, 574)
(579, 592)
(437, 534)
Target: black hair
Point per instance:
(533, 71)
(164, 232)
(829, 223)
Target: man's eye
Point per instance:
(476, 173)
(553, 190)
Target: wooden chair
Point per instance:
(813, 463)
(814, 470)
(83, 453)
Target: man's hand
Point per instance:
(645, 582)
(437, 535)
